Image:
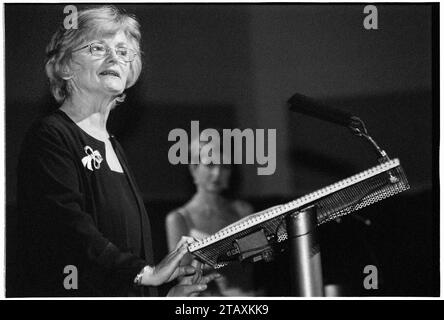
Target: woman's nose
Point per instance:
(112, 56)
(215, 171)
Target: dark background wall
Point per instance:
(235, 66)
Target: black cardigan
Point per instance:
(65, 218)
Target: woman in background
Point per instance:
(209, 211)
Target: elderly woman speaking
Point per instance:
(84, 225)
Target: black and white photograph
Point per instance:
(221, 150)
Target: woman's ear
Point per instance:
(67, 76)
(66, 73)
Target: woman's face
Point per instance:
(211, 177)
(106, 75)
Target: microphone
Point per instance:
(310, 107)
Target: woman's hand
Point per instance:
(169, 268)
(191, 286)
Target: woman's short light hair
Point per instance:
(93, 23)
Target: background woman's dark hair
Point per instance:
(235, 178)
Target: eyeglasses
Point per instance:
(101, 50)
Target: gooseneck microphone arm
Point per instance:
(361, 131)
(310, 107)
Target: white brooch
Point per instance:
(92, 158)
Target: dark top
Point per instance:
(74, 210)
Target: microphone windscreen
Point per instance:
(310, 107)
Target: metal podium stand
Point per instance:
(306, 268)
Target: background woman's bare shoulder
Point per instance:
(243, 208)
(176, 217)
